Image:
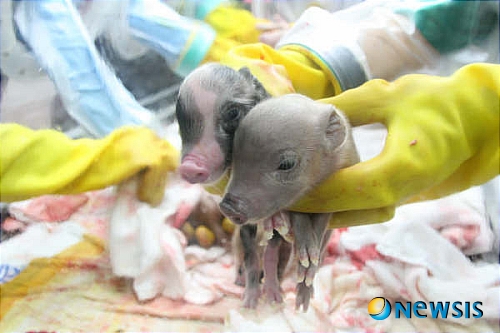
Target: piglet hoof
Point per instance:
(281, 223)
(251, 298)
(240, 278)
(304, 294)
(311, 272)
(306, 274)
(308, 254)
(273, 294)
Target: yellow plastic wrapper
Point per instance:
(34, 163)
(40, 272)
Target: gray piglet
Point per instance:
(283, 148)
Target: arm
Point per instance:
(33, 163)
(442, 138)
(370, 40)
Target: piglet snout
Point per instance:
(193, 173)
(231, 207)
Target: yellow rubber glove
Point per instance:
(284, 71)
(34, 163)
(238, 24)
(233, 27)
(442, 138)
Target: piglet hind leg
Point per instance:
(311, 236)
(252, 267)
(275, 257)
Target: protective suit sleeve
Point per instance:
(442, 138)
(326, 53)
(181, 40)
(307, 62)
(89, 90)
(34, 163)
(205, 33)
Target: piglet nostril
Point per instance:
(193, 173)
(231, 207)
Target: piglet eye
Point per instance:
(287, 163)
(232, 114)
(230, 119)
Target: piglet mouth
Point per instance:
(231, 208)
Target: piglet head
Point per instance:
(211, 103)
(283, 148)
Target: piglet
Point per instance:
(282, 149)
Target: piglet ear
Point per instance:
(336, 128)
(260, 91)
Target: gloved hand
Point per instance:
(233, 27)
(34, 163)
(284, 71)
(442, 138)
(230, 21)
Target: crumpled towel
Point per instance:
(415, 258)
(47, 208)
(144, 245)
(144, 242)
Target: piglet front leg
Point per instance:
(252, 265)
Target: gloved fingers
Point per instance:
(152, 182)
(278, 69)
(366, 185)
(404, 168)
(271, 38)
(440, 140)
(466, 176)
(219, 48)
(47, 162)
(353, 218)
(379, 101)
(425, 144)
(153, 178)
(363, 105)
(272, 31)
(235, 23)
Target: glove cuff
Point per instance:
(196, 49)
(182, 41)
(342, 60)
(205, 7)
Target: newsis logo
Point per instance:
(379, 308)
